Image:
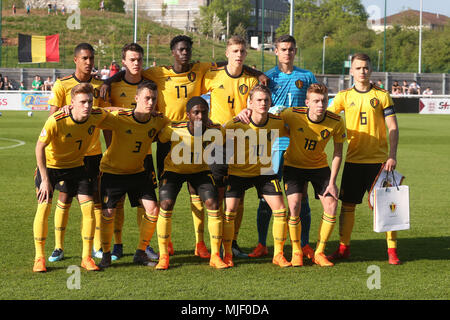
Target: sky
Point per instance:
(374, 7)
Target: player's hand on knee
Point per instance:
(44, 192)
(332, 190)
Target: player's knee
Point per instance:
(212, 204)
(108, 213)
(167, 205)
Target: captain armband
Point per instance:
(389, 111)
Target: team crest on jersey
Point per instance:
(325, 134)
(96, 93)
(243, 89)
(91, 130)
(151, 133)
(374, 102)
(192, 76)
(299, 84)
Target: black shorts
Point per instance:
(92, 167)
(357, 179)
(171, 182)
(114, 186)
(295, 180)
(72, 181)
(150, 170)
(219, 171)
(264, 184)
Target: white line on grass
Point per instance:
(19, 143)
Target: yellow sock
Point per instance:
(346, 222)
(139, 214)
(238, 220)
(164, 229)
(279, 230)
(326, 228)
(146, 230)
(391, 238)
(295, 230)
(198, 216)
(87, 227)
(215, 226)
(118, 222)
(98, 220)
(61, 218)
(40, 228)
(228, 231)
(107, 230)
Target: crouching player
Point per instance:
(60, 152)
(310, 129)
(247, 168)
(123, 172)
(187, 162)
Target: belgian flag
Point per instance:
(36, 49)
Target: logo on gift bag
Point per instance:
(393, 208)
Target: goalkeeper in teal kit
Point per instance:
(288, 85)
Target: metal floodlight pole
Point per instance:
(323, 54)
(135, 21)
(291, 21)
(420, 38)
(148, 40)
(384, 45)
(262, 36)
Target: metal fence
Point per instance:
(438, 82)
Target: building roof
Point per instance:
(411, 17)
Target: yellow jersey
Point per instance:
(68, 140)
(175, 89)
(229, 94)
(61, 97)
(131, 141)
(188, 153)
(308, 139)
(365, 114)
(252, 146)
(123, 94)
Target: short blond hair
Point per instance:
(319, 88)
(84, 87)
(236, 40)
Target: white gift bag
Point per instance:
(391, 208)
(384, 179)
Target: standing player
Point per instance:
(310, 130)
(123, 172)
(84, 56)
(186, 162)
(122, 95)
(60, 152)
(368, 109)
(249, 169)
(288, 85)
(229, 86)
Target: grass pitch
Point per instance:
(423, 157)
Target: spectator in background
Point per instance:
(113, 68)
(405, 87)
(49, 8)
(102, 6)
(428, 91)
(22, 86)
(63, 9)
(1, 82)
(28, 7)
(396, 88)
(37, 83)
(48, 84)
(104, 73)
(14, 9)
(7, 85)
(380, 84)
(414, 88)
